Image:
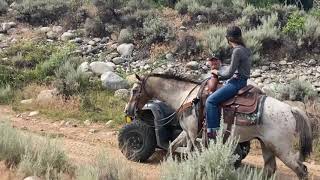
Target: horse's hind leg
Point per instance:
(270, 164)
(288, 156)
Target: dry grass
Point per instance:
(106, 167)
(158, 50)
(32, 155)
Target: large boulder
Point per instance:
(98, 67)
(125, 50)
(112, 81)
(46, 96)
(84, 67)
(67, 36)
(132, 79)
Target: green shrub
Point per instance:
(216, 41)
(94, 27)
(3, 6)
(252, 16)
(156, 30)
(44, 158)
(42, 12)
(295, 24)
(263, 3)
(32, 155)
(105, 167)
(125, 36)
(6, 94)
(70, 81)
(138, 4)
(216, 162)
(310, 35)
(295, 91)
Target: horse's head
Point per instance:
(138, 97)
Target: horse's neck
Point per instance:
(173, 92)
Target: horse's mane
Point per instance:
(174, 77)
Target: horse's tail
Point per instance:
(304, 129)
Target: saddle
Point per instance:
(245, 102)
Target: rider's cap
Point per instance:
(234, 32)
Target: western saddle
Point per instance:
(245, 102)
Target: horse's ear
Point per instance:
(138, 77)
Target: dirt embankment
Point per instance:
(82, 146)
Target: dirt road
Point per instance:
(82, 146)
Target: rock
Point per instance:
(92, 43)
(312, 62)
(33, 113)
(183, 28)
(125, 50)
(67, 36)
(291, 76)
(57, 29)
(283, 62)
(111, 65)
(122, 93)
(92, 131)
(265, 68)
(87, 122)
(193, 65)
(170, 57)
(44, 29)
(46, 96)
(256, 73)
(27, 101)
(32, 178)
(146, 67)
(84, 67)
(77, 40)
(318, 69)
(202, 18)
(303, 78)
(52, 35)
(62, 123)
(109, 123)
(100, 67)
(7, 25)
(273, 66)
(297, 104)
(131, 79)
(112, 81)
(96, 39)
(118, 60)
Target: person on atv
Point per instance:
(236, 74)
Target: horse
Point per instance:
(281, 123)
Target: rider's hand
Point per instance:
(214, 71)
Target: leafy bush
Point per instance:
(156, 30)
(310, 35)
(295, 91)
(69, 80)
(94, 27)
(216, 41)
(252, 17)
(216, 162)
(138, 4)
(125, 36)
(3, 6)
(105, 167)
(42, 12)
(263, 3)
(295, 24)
(6, 94)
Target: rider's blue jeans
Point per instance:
(227, 91)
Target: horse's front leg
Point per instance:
(180, 140)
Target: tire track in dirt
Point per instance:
(82, 146)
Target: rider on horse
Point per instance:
(237, 73)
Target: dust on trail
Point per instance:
(82, 146)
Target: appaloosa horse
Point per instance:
(281, 123)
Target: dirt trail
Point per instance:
(82, 146)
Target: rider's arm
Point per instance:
(235, 60)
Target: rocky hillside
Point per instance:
(79, 46)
